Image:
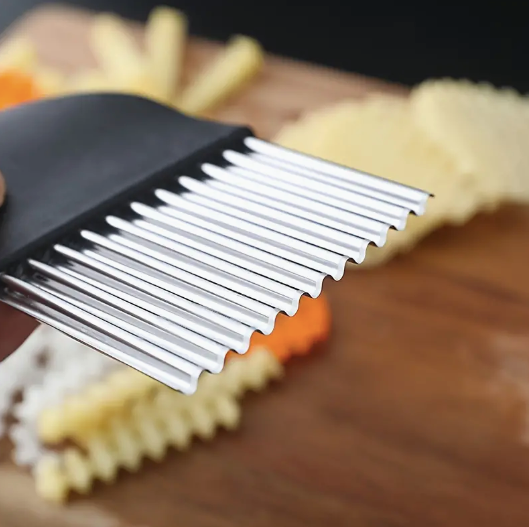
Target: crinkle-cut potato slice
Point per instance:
(378, 136)
(18, 54)
(484, 129)
(306, 134)
(51, 82)
(165, 43)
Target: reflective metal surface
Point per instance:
(169, 287)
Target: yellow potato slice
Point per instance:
(18, 54)
(165, 41)
(307, 134)
(241, 59)
(91, 80)
(485, 130)
(50, 81)
(379, 136)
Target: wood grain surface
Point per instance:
(416, 413)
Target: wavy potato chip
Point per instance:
(485, 130)
(379, 136)
(18, 54)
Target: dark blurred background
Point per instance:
(399, 41)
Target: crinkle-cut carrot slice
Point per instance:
(296, 335)
(16, 88)
(313, 327)
(320, 319)
(277, 342)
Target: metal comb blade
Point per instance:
(170, 281)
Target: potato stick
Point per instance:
(143, 86)
(18, 54)
(91, 81)
(49, 81)
(165, 40)
(115, 50)
(241, 60)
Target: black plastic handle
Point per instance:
(71, 159)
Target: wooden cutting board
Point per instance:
(416, 413)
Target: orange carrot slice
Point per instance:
(299, 334)
(16, 88)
